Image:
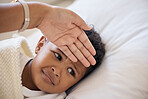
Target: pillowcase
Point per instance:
(123, 26)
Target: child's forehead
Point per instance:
(77, 64)
(54, 47)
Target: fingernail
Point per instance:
(94, 53)
(87, 65)
(94, 62)
(74, 60)
(89, 27)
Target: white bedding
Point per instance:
(123, 26)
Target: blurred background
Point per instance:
(62, 3)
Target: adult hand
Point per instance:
(64, 28)
(61, 26)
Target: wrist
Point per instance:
(37, 12)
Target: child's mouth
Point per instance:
(47, 77)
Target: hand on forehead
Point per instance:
(66, 31)
(73, 50)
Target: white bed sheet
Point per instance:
(123, 26)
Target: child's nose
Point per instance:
(56, 71)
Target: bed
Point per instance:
(123, 26)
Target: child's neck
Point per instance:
(27, 77)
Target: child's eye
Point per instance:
(71, 71)
(58, 56)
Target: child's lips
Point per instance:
(47, 77)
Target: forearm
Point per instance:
(12, 15)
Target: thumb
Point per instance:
(81, 23)
(84, 26)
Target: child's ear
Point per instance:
(40, 44)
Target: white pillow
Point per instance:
(123, 26)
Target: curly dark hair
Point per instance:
(95, 39)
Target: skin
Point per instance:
(51, 63)
(61, 26)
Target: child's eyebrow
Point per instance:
(76, 68)
(71, 62)
(62, 52)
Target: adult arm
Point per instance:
(12, 15)
(61, 26)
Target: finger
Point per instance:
(84, 26)
(85, 41)
(68, 53)
(79, 55)
(85, 52)
(65, 40)
(80, 23)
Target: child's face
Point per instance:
(52, 71)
